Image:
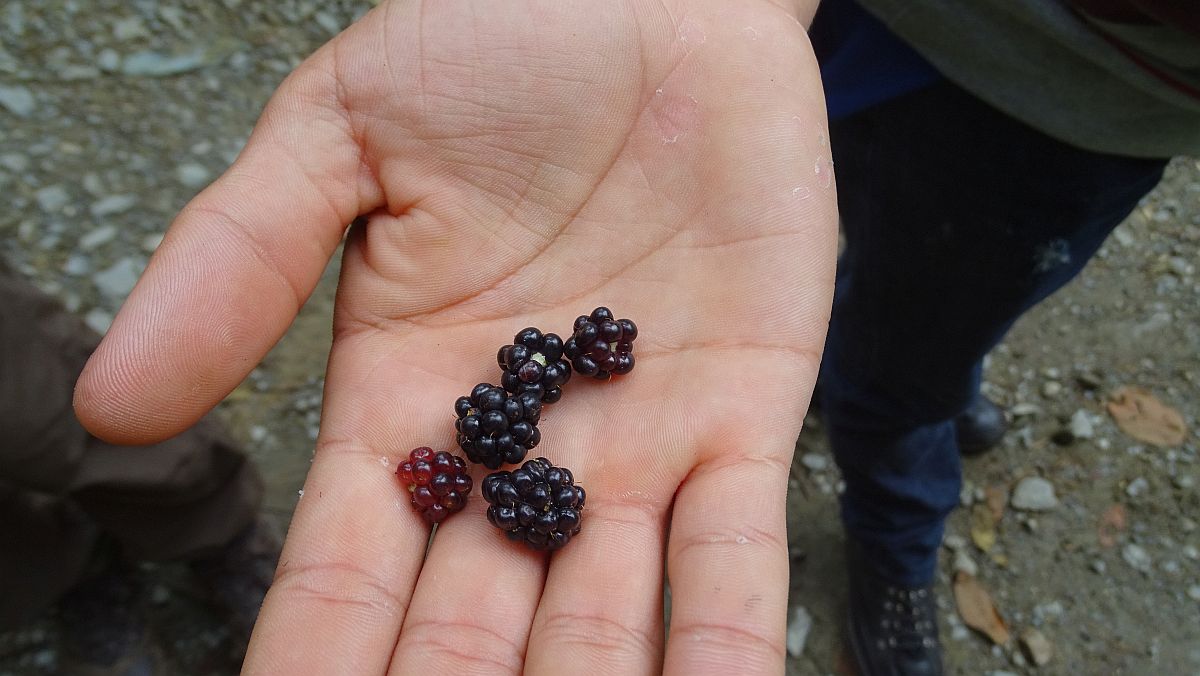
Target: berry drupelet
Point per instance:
(601, 345)
(534, 363)
(438, 481)
(495, 427)
(538, 504)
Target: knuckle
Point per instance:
(596, 635)
(465, 647)
(342, 586)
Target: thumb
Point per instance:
(233, 269)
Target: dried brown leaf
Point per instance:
(983, 527)
(977, 610)
(1112, 521)
(1142, 416)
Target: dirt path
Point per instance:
(115, 113)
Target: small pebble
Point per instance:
(1137, 487)
(160, 594)
(18, 100)
(52, 198)
(1034, 494)
(14, 162)
(1051, 389)
(954, 542)
(1081, 425)
(108, 60)
(77, 265)
(1136, 557)
(113, 204)
(1099, 567)
(192, 175)
(798, 629)
(814, 462)
(963, 563)
(1194, 592)
(150, 242)
(97, 237)
(119, 279)
(1036, 647)
(1024, 409)
(98, 320)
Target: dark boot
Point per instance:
(980, 427)
(237, 578)
(103, 625)
(892, 629)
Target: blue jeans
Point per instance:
(957, 219)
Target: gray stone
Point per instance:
(129, 28)
(118, 280)
(113, 204)
(1180, 266)
(1024, 409)
(1051, 388)
(1035, 646)
(963, 563)
(154, 64)
(77, 265)
(1081, 425)
(192, 175)
(328, 22)
(1034, 494)
(99, 320)
(1136, 557)
(160, 594)
(93, 184)
(108, 60)
(150, 242)
(954, 542)
(1137, 487)
(814, 461)
(97, 237)
(18, 100)
(72, 72)
(52, 198)
(799, 625)
(14, 162)
(1194, 592)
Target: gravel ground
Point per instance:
(113, 114)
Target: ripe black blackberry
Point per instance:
(438, 481)
(534, 363)
(538, 504)
(495, 427)
(601, 345)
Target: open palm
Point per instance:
(518, 164)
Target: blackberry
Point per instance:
(438, 481)
(538, 504)
(495, 427)
(601, 345)
(534, 363)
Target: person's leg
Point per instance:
(957, 220)
(63, 488)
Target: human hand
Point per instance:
(518, 165)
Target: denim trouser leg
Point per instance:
(957, 219)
